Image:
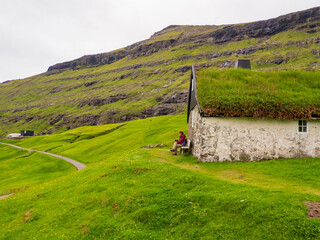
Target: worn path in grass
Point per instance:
(78, 165)
(5, 196)
(237, 175)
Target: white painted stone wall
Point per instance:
(250, 139)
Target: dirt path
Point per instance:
(78, 165)
(5, 196)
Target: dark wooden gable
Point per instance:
(192, 100)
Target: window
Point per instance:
(302, 128)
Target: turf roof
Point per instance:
(258, 94)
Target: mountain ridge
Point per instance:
(256, 29)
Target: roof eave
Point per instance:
(202, 114)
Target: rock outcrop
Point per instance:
(90, 60)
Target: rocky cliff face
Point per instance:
(90, 60)
(152, 77)
(308, 20)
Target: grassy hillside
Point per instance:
(21, 168)
(139, 193)
(245, 93)
(150, 78)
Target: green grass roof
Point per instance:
(245, 93)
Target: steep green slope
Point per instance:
(129, 192)
(150, 78)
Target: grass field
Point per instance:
(128, 192)
(96, 143)
(21, 168)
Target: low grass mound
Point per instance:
(272, 94)
(128, 192)
(21, 168)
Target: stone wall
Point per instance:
(248, 139)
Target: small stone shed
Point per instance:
(244, 115)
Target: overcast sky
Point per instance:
(35, 34)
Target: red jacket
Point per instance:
(182, 140)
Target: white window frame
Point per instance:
(304, 124)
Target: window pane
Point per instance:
(302, 126)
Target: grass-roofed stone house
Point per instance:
(244, 115)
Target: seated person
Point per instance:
(179, 143)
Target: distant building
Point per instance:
(27, 133)
(14, 136)
(243, 63)
(234, 126)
